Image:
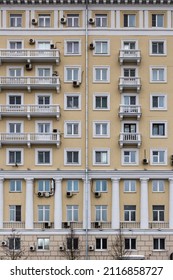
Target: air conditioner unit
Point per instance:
(63, 20)
(52, 46)
(31, 41)
(76, 83)
(55, 130)
(145, 161)
(97, 224)
(34, 21)
(47, 194)
(32, 248)
(47, 225)
(91, 20)
(4, 243)
(97, 194)
(28, 66)
(66, 224)
(92, 46)
(40, 194)
(69, 194)
(91, 248)
(55, 73)
(61, 248)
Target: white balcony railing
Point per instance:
(29, 138)
(129, 83)
(30, 110)
(130, 111)
(158, 225)
(129, 224)
(13, 225)
(26, 55)
(30, 83)
(101, 225)
(130, 139)
(129, 56)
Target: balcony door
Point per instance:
(129, 128)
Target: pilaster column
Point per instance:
(1, 202)
(29, 211)
(145, 19)
(170, 202)
(144, 204)
(58, 204)
(86, 204)
(115, 203)
(117, 19)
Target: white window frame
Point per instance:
(158, 95)
(136, 157)
(95, 42)
(66, 95)
(15, 122)
(15, 67)
(72, 187)
(130, 243)
(13, 213)
(129, 188)
(66, 135)
(101, 211)
(15, 16)
(129, 41)
(101, 243)
(43, 95)
(131, 95)
(156, 26)
(101, 95)
(43, 242)
(130, 212)
(159, 239)
(100, 187)
(44, 209)
(73, 16)
(101, 150)
(14, 150)
(158, 150)
(164, 68)
(101, 123)
(42, 150)
(66, 53)
(74, 212)
(164, 47)
(159, 185)
(101, 17)
(158, 122)
(15, 41)
(44, 17)
(15, 182)
(72, 150)
(44, 67)
(42, 188)
(14, 94)
(128, 20)
(74, 67)
(101, 68)
(129, 68)
(41, 42)
(43, 122)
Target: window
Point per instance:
(129, 45)
(130, 213)
(101, 129)
(158, 102)
(43, 100)
(129, 186)
(43, 128)
(14, 243)
(158, 213)
(158, 129)
(72, 47)
(43, 45)
(101, 186)
(158, 186)
(15, 99)
(15, 20)
(158, 75)
(72, 74)
(43, 72)
(15, 157)
(15, 72)
(72, 185)
(72, 102)
(44, 185)
(157, 47)
(129, 157)
(101, 102)
(101, 213)
(158, 156)
(72, 157)
(15, 127)
(43, 213)
(43, 244)
(130, 243)
(15, 185)
(44, 20)
(129, 100)
(159, 244)
(101, 157)
(72, 213)
(157, 20)
(15, 213)
(43, 157)
(101, 20)
(73, 20)
(72, 129)
(101, 74)
(72, 243)
(101, 47)
(129, 72)
(101, 243)
(129, 20)
(15, 45)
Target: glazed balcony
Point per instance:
(130, 111)
(129, 83)
(129, 56)
(29, 56)
(30, 111)
(133, 139)
(30, 138)
(30, 83)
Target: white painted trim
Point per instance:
(43, 94)
(42, 150)
(165, 101)
(14, 94)
(43, 122)
(13, 150)
(165, 156)
(72, 150)
(107, 150)
(14, 121)
(100, 41)
(65, 47)
(158, 122)
(65, 101)
(72, 67)
(101, 122)
(101, 94)
(107, 67)
(72, 135)
(123, 163)
(158, 68)
(158, 40)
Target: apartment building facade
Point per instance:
(86, 127)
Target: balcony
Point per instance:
(13, 225)
(72, 225)
(30, 83)
(129, 83)
(30, 111)
(133, 139)
(130, 111)
(100, 225)
(129, 56)
(28, 56)
(158, 225)
(129, 225)
(43, 225)
(30, 138)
